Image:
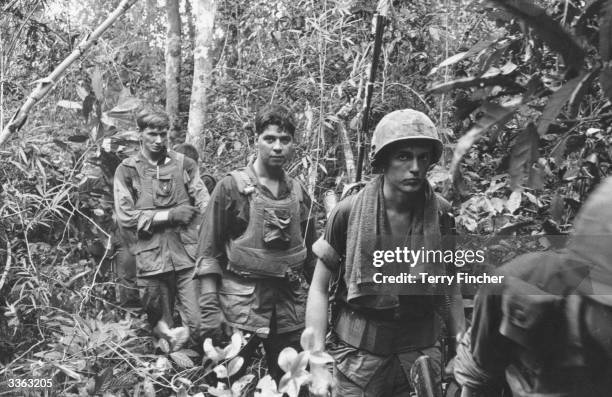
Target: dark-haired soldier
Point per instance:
(153, 191)
(547, 330)
(254, 253)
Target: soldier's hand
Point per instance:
(182, 214)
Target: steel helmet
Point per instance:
(401, 125)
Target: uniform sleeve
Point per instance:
(196, 187)
(214, 233)
(331, 247)
(125, 210)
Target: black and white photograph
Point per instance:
(306, 198)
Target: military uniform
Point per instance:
(164, 254)
(374, 349)
(377, 333)
(547, 331)
(259, 246)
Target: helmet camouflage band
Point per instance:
(402, 125)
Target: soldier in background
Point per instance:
(547, 331)
(154, 191)
(376, 337)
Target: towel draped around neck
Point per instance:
(369, 231)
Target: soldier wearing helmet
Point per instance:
(377, 330)
(547, 330)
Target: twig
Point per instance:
(14, 41)
(7, 266)
(3, 370)
(69, 283)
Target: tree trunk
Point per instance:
(173, 63)
(191, 30)
(44, 85)
(204, 11)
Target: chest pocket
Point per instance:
(163, 189)
(276, 233)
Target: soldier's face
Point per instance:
(274, 147)
(154, 140)
(407, 166)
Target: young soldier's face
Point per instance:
(274, 147)
(154, 140)
(407, 166)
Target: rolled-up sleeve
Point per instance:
(125, 210)
(214, 232)
(331, 247)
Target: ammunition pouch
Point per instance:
(262, 263)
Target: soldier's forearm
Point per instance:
(317, 305)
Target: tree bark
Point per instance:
(45, 85)
(173, 63)
(204, 11)
(191, 30)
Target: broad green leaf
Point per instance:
(556, 102)
(286, 358)
(449, 61)
(127, 106)
(514, 201)
(523, 154)
(240, 386)
(221, 371)
(266, 387)
(231, 350)
(163, 345)
(182, 360)
(211, 351)
(219, 391)
(234, 365)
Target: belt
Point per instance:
(384, 338)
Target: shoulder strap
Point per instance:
(243, 181)
(297, 189)
(129, 162)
